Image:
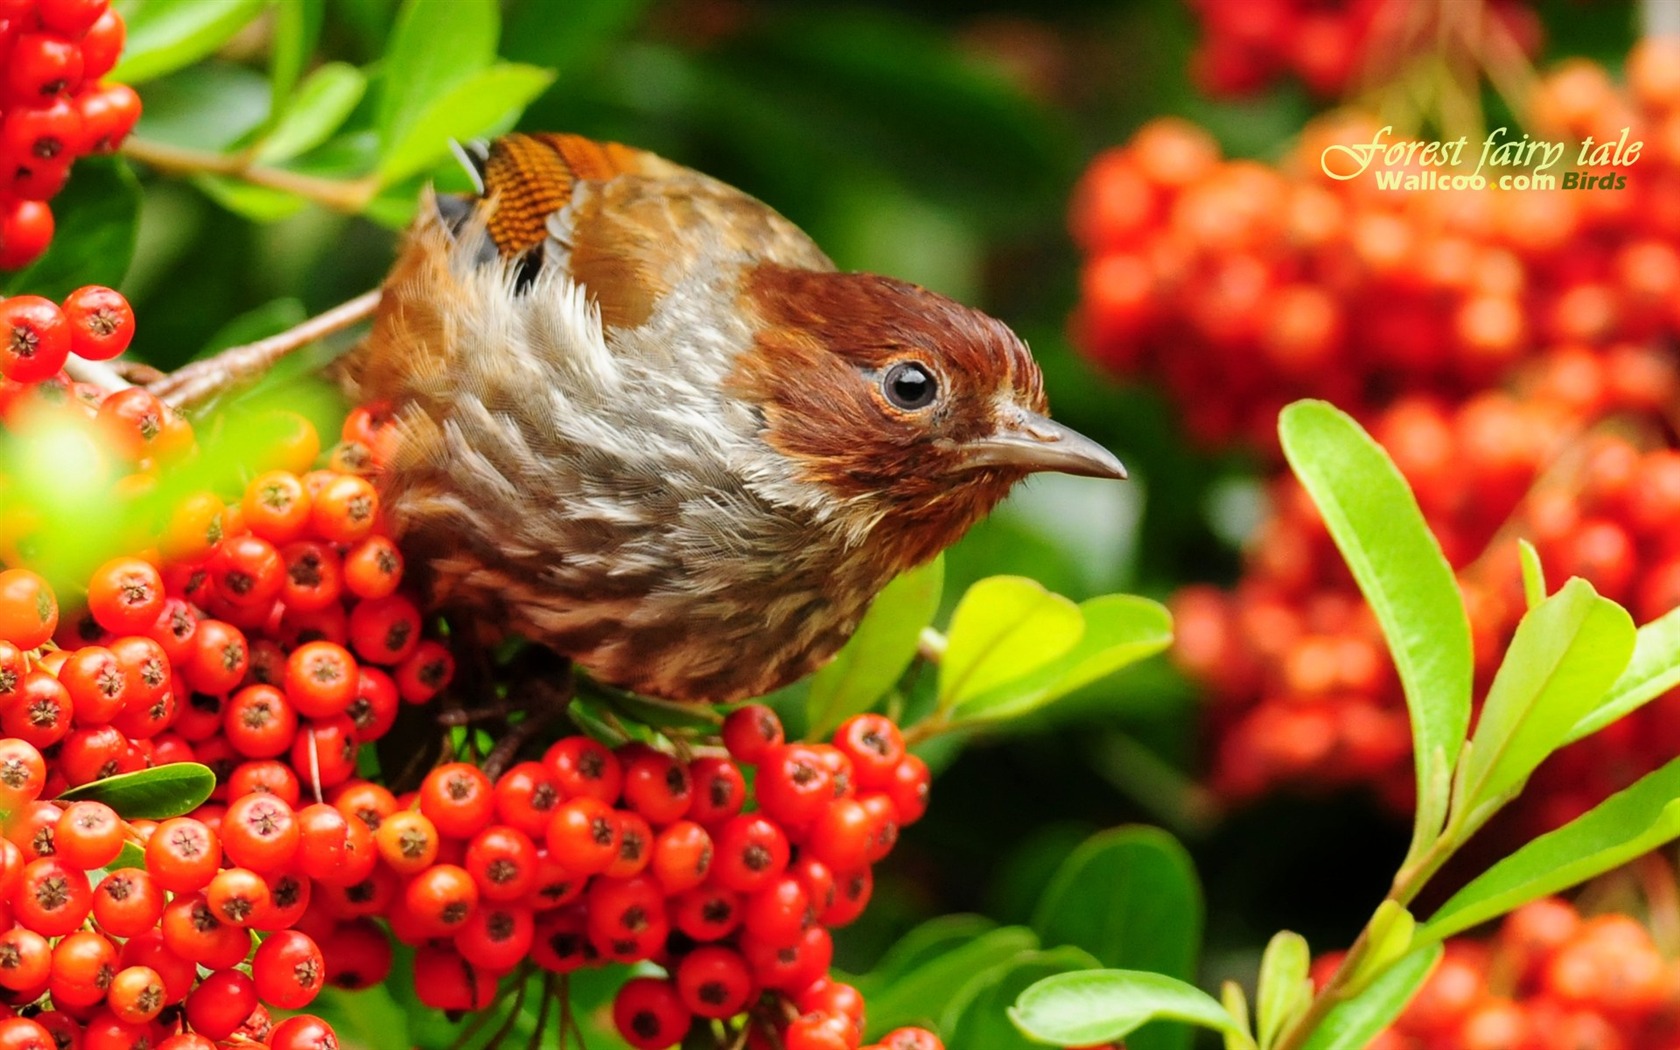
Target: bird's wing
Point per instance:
(625, 224)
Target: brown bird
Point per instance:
(645, 422)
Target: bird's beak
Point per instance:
(1031, 442)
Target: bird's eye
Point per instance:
(909, 385)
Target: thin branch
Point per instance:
(237, 365)
(98, 373)
(339, 194)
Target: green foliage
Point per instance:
(1102, 1006)
(166, 35)
(879, 652)
(1353, 1023)
(913, 987)
(1626, 825)
(1567, 652)
(323, 102)
(150, 794)
(978, 1014)
(1650, 672)
(1375, 521)
(1285, 990)
(1130, 898)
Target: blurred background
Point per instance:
(951, 142)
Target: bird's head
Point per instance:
(914, 413)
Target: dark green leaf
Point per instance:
(1131, 898)
(1004, 628)
(1626, 825)
(1566, 652)
(1352, 1024)
(165, 35)
(1653, 670)
(979, 1014)
(98, 216)
(130, 856)
(1104, 1006)
(151, 794)
(435, 46)
(917, 995)
(879, 651)
(922, 944)
(297, 26)
(484, 103)
(1376, 523)
(1120, 629)
(319, 108)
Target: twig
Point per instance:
(339, 194)
(98, 373)
(930, 646)
(200, 380)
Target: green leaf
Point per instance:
(151, 794)
(569, 37)
(1353, 1023)
(1130, 897)
(978, 1015)
(484, 103)
(1533, 574)
(1104, 1006)
(922, 944)
(1566, 652)
(1120, 630)
(1284, 989)
(1231, 997)
(1653, 670)
(1375, 521)
(435, 46)
(916, 996)
(1004, 628)
(98, 217)
(1629, 823)
(297, 26)
(257, 203)
(879, 650)
(1391, 932)
(320, 107)
(166, 35)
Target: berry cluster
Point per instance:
(1242, 286)
(1246, 47)
(37, 336)
(53, 109)
(1549, 979)
(733, 904)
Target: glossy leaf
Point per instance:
(917, 995)
(1285, 990)
(1653, 670)
(1130, 897)
(151, 794)
(1104, 1006)
(165, 35)
(1003, 629)
(1566, 653)
(978, 1015)
(879, 650)
(98, 217)
(1120, 629)
(320, 106)
(435, 46)
(1352, 1024)
(484, 103)
(1375, 521)
(1630, 823)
